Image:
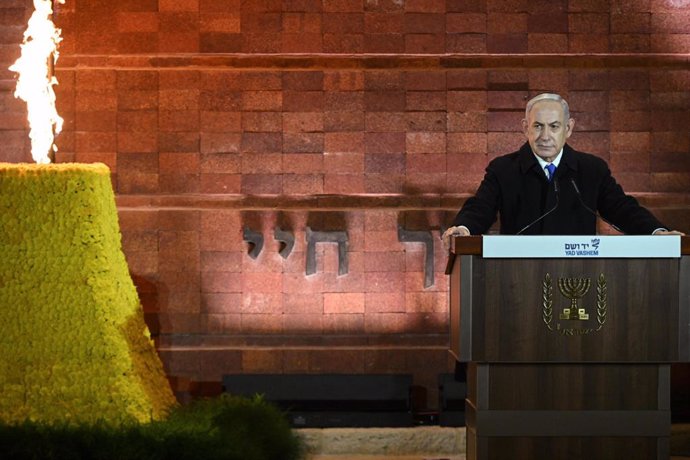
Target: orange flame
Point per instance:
(35, 82)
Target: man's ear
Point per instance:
(524, 126)
(569, 127)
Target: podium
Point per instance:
(568, 357)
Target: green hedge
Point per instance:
(228, 428)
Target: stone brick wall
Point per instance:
(361, 116)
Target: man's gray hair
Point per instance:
(548, 97)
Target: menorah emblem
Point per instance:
(574, 289)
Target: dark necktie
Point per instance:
(551, 168)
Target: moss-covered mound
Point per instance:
(73, 343)
(226, 428)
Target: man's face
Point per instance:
(547, 129)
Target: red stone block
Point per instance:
(502, 143)
(629, 100)
(384, 302)
(673, 182)
(384, 43)
(261, 163)
(588, 43)
(178, 142)
(301, 23)
(375, 220)
(93, 121)
(343, 80)
(105, 100)
(300, 283)
(108, 158)
(465, 23)
(303, 142)
(504, 121)
(216, 262)
(131, 100)
(258, 122)
(95, 141)
(220, 302)
(220, 183)
(262, 100)
(385, 101)
(383, 23)
(343, 303)
(343, 184)
(426, 100)
(507, 43)
(302, 184)
(342, 23)
(507, 100)
(178, 5)
(262, 282)
(186, 241)
(426, 121)
(384, 183)
(176, 260)
(467, 143)
(303, 324)
(593, 121)
(590, 80)
(225, 163)
(426, 164)
(178, 183)
(174, 42)
(136, 22)
(675, 22)
(385, 262)
(143, 263)
(507, 6)
(466, 122)
(303, 101)
(343, 121)
(217, 22)
(424, 23)
(135, 79)
(592, 101)
(466, 43)
(385, 323)
(262, 42)
(303, 303)
(342, 163)
(669, 121)
(630, 43)
(384, 163)
(669, 80)
(139, 241)
(344, 142)
(386, 122)
(137, 142)
(547, 43)
(216, 42)
(426, 302)
(630, 23)
(220, 142)
(179, 99)
(178, 120)
(675, 43)
(260, 184)
(466, 101)
(424, 81)
(138, 220)
(385, 142)
(507, 23)
(593, 142)
(178, 220)
(425, 43)
(178, 163)
(345, 101)
(637, 162)
(673, 141)
(261, 142)
(302, 163)
(303, 81)
(420, 142)
(375, 241)
(264, 22)
(343, 323)
(137, 121)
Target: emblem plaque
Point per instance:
(574, 319)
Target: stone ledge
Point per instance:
(423, 440)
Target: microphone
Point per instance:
(553, 208)
(584, 205)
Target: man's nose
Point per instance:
(544, 134)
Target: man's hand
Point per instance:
(451, 232)
(669, 232)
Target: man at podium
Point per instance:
(549, 188)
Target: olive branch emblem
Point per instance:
(547, 306)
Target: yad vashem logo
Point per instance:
(574, 319)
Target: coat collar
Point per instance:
(527, 160)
